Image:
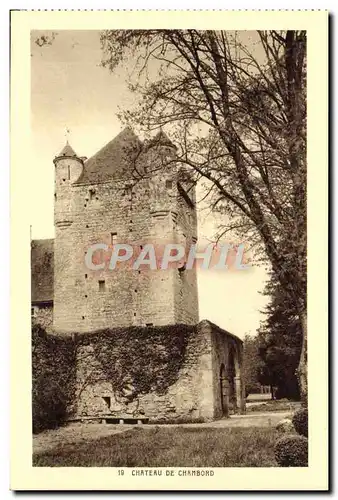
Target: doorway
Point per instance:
(224, 389)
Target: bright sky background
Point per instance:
(71, 90)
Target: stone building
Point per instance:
(136, 193)
(42, 272)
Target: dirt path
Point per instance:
(76, 433)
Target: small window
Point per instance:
(91, 193)
(86, 275)
(107, 400)
(113, 238)
(134, 314)
(83, 317)
(168, 184)
(102, 285)
(33, 312)
(68, 172)
(55, 196)
(149, 324)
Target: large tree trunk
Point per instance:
(302, 367)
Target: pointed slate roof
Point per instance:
(67, 151)
(42, 270)
(114, 160)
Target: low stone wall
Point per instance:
(173, 373)
(160, 381)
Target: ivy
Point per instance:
(139, 360)
(135, 361)
(53, 378)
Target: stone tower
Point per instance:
(128, 192)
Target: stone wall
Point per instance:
(158, 374)
(228, 385)
(148, 211)
(187, 392)
(176, 390)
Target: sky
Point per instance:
(70, 90)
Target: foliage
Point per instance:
(235, 106)
(43, 318)
(285, 426)
(251, 365)
(53, 375)
(280, 342)
(168, 447)
(300, 421)
(292, 451)
(136, 360)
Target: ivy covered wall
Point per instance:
(162, 374)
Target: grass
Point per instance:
(169, 447)
(273, 405)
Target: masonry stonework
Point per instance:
(133, 193)
(194, 395)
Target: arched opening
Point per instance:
(224, 391)
(231, 378)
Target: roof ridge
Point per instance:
(123, 132)
(113, 159)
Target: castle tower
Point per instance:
(68, 168)
(128, 192)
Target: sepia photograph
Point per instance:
(168, 239)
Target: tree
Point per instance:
(236, 109)
(279, 343)
(251, 365)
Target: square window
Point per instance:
(113, 238)
(168, 184)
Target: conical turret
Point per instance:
(68, 165)
(67, 151)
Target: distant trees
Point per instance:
(272, 356)
(252, 365)
(279, 343)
